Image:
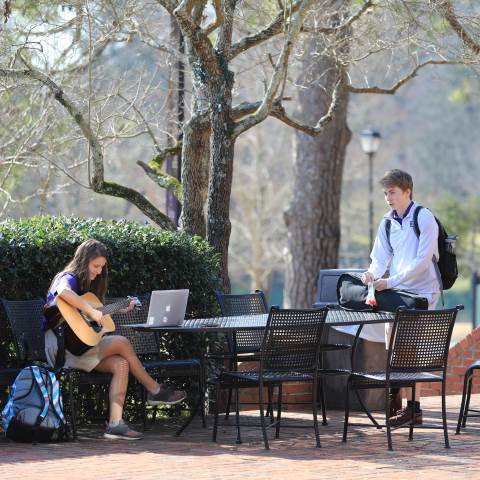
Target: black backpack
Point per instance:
(446, 265)
(34, 411)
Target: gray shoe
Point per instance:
(122, 432)
(166, 396)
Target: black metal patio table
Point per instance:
(335, 317)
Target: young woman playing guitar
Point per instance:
(87, 272)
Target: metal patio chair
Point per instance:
(467, 392)
(289, 353)
(245, 345)
(418, 352)
(25, 319)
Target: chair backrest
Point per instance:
(420, 340)
(144, 343)
(292, 339)
(25, 319)
(244, 304)
(327, 285)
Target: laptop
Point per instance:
(167, 308)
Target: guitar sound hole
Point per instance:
(96, 326)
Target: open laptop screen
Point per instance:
(167, 307)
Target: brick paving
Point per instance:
(160, 455)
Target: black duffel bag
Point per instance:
(352, 293)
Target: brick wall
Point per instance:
(461, 356)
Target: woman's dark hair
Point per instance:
(84, 254)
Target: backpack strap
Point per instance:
(56, 397)
(434, 260)
(415, 220)
(46, 400)
(7, 412)
(388, 227)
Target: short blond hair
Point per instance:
(397, 178)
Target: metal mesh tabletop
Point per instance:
(214, 324)
(248, 322)
(346, 317)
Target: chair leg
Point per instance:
(144, 407)
(237, 415)
(314, 410)
(202, 408)
(154, 417)
(270, 403)
(462, 406)
(347, 411)
(412, 420)
(229, 403)
(187, 422)
(387, 417)
(73, 407)
(262, 416)
(467, 402)
(323, 400)
(444, 414)
(231, 367)
(322, 392)
(215, 417)
(279, 411)
(365, 409)
(201, 394)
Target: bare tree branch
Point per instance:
(95, 54)
(98, 183)
(402, 81)
(446, 9)
(144, 120)
(167, 152)
(274, 28)
(163, 47)
(277, 26)
(278, 112)
(344, 25)
(163, 180)
(219, 17)
(198, 38)
(280, 71)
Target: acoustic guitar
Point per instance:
(81, 332)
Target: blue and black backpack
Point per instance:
(34, 411)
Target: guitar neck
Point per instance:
(115, 307)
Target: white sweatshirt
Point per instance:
(411, 265)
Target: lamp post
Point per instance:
(370, 140)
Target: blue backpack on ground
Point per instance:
(34, 411)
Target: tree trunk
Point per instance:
(195, 155)
(176, 115)
(195, 160)
(313, 215)
(221, 170)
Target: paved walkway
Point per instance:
(194, 457)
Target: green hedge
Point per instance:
(141, 259)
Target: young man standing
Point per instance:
(410, 257)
